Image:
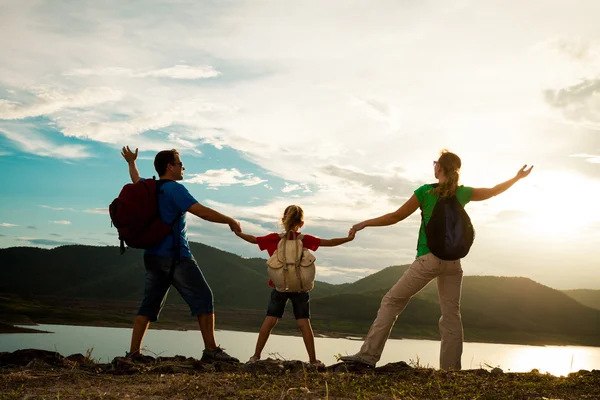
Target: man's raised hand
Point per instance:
(129, 155)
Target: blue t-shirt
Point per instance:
(173, 200)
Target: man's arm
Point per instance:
(210, 215)
(392, 218)
(246, 237)
(130, 157)
(480, 194)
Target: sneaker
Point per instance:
(318, 364)
(253, 359)
(217, 354)
(356, 359)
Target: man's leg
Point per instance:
(451, 329)
(155, 294)
(418, 275)
(263, 335)
(207, 329)
(190, 282)
(140, 327)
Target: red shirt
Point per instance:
(270, 242)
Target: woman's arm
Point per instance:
(480, 194)
(246, 237)
(392, 218)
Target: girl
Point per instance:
(427, 266)
(292, 221)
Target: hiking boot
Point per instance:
(356, 359)
(217, 354)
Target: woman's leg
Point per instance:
(418, 275)
(451, 329)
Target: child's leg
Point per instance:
(263, 335)
(301, 303)
(309, 338)
(274, 313)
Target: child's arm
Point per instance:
(246, 237)
(337, 241)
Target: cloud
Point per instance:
(580, 103)
(57, 208)
(391, 185)
(31, 227)
(61, 222)
(591, 158)
(50, 101)
(7, 225)
(55, 234)
(45, 242)
(187, 72)
(27, 140)
(290, 188)
(97, 211)
(348, 273)
(224, 177)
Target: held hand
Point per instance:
(523, 172)
(235, 226)
(355, 229)
(129, 155)
(351, 235)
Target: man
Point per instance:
(164, 267)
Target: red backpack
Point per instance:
(135, 215)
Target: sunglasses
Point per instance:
(435, 163)
(178, 163)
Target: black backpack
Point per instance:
(449, 231)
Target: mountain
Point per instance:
(500, 309)
(587, 297)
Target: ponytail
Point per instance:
(450, 164)
(293, 216)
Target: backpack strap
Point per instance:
(175, 229)
(297, 258)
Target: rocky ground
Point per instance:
(48, 375)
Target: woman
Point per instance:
(427, 266)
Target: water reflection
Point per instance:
(108, 343)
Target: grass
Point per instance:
(156, 381)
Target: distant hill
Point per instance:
(500, 309)
(587, 297)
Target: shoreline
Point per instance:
(20, 328)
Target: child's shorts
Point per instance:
(300, 302)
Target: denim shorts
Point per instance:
(300, 302)
(187, 279)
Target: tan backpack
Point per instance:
(292, 267)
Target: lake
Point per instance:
(108, 343)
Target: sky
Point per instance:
(337, 106)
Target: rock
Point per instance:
(395, 367)
(349, 367)
(79, 359)
(496, 371)
(25, 356)
(38, 364)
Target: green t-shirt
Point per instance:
(427, 202)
